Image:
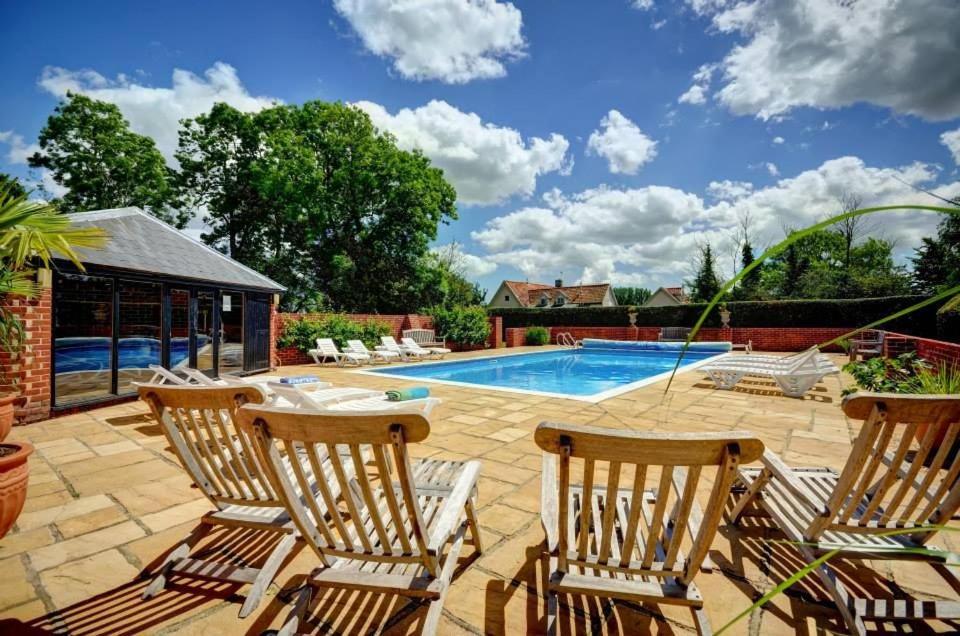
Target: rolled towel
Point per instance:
(300, 379)
(413, 393)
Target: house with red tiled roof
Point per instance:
(667, 297)
(518, 294)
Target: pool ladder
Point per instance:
(566, 339)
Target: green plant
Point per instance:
(462, 325)
(303, 333)
(943, 379)
(537, 336)
(885, 375)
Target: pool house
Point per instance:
(151, 296)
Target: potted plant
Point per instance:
(30, 233)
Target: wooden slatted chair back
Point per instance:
(901, 472)
(637, 493)
(200, 424)
(374, 523)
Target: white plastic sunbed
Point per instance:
(413, 345)
(162, 375)
(794, 374)
(389, 344)
(357, 346)
(344, 399)
(326, 348)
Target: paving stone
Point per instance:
(15, 589)
(83, 578)
(176, 515)
(82, 524)
(79, 547)
(66, 510)
(19, 542)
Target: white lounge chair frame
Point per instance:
(795, 375)
(393, 539)
(344, 399)
(357, 346)
(327, 348)
(412, 345)
(631, 550)
(877, 491)
(162, 375)
(389, 344)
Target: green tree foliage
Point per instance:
(12, 186)
(706, 284)
(463, 325)
(303, 333)
(318, 199)
(89, 148)
(635, 296)
(749, 287)
(825, 264)
(452, 289)
(936, 263)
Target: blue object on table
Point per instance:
(300, 379)
(413, 393)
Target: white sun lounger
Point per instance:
(162, 375)
(413, 345)
(344, 399)
(326, 348)
(357, 346)
(389, 344)
(795, 375)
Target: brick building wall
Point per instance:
(28, 372)
(935, 351)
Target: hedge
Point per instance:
(948, 320)
(855, 312)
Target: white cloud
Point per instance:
(697, 93)
(652, 233)
(622, 144)
(778, 140)
(951, 139)
(454, 41)
(473, 266)
(486, 163)
(659, 24)
(154, 111)
(643, 5)
(772, 169)
(19, 149)
(828, 54)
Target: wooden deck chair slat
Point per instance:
(866, 477)
(346, 493)
(726, 475)
(943, 450)
(226, 471)
(682, 515)
(303, 483)
(908, 482)
(237, 458)
(948, 481)
(596, 515)
(189, 454)
(656, 523)
(878, 493)
(610, 510)
(404, 471)
(565, 512)
(373, 507)
(633, 525)
(202, 452)
(205, 440)
(583, 538)
(391, 498)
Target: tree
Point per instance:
(749, 284)
(12, 186)
(453, 290)
(706, 285)
(936, 263)
(89, 148)
(635, 296)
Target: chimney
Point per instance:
(558, 282)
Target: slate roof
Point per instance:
(529, 294)
(143, 243)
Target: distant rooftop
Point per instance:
(142, 243)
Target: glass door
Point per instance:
(231, 332)
(139, 339)
(205, 331)
(83, 338)
(179, 330)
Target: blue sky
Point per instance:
(602, 140)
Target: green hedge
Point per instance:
(948, 320)
(776, 313)
(537, 336)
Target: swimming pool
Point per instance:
(93, 353)
(592, 374)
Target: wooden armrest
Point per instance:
(454, 507)
(781, 471)
(549, 503)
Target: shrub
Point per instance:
(462, 325)
(537, 336)
(948, 320)
(303, 333)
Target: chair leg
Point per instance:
(840, 596)
(298, 612)
(553, 609)
(701, 621)
(432, 620)
(474, 526)
(796, 387)
(749, 495)
(266, 574)
(176, 555)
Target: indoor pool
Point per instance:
(593, 373)
(93, 353)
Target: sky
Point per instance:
(594, 142)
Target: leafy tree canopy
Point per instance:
(707, 284)
(89, 148)
(936, 263)
(635, 296)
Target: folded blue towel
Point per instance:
(413, 393)
(300, 379)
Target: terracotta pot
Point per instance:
(14, 473)
(7, 404)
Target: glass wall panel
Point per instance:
(231, 332)
(83, 338)
(139, 338)
(205, 330)
(179, 330)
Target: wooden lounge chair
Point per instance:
(357, 346)
(609, 549)
(199, 423)
(899, 476)
(412, 345)
(391, 539)
(426, 338)
(327, 348)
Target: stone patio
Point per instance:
(107, 499)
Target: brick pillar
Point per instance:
(28, 371)
(495, 339)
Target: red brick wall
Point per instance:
(495, 340)
(29, 370)
(935, 351)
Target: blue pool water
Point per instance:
(584, 373)
(93, 354)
